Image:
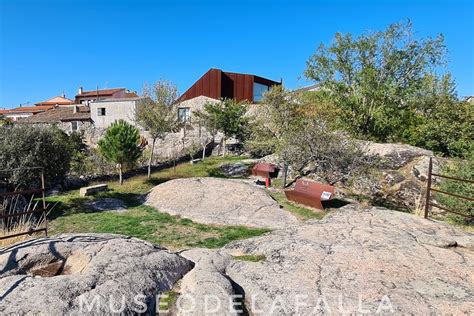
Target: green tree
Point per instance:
(227, 117)
(275, 123)
(24, 146)
(441, 122)
(157, 113)
(121, 145)
(376, 78)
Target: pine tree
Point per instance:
(121, 145)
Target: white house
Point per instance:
(107, 111)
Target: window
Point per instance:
(258, 91)
(100, 111)
(73, 126)
(184, 114)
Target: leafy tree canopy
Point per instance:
(24, 146)
(227, 117)
(376, 78)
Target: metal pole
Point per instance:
(428, 188)
(44, 202)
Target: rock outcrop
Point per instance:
(219, 201)
(206, 290)
(397, 180)
(93, 274)
(357, 260)
(235, 170)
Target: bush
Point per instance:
(447, 128)
(27, 146)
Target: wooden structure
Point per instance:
(85, 191)
(430, 189)
(218, 84)
(310, 193)
(266, 171)
(42, 210)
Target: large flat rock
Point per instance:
(219, 201)
(87, 274)
(357, 260)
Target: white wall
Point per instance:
(16, 116)
(120, 109)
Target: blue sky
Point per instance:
(51, 46)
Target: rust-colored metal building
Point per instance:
(218, 84)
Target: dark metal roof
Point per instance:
(218, 84)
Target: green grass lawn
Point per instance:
(69, 214)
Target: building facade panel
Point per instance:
(219, 84)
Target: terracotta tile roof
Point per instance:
(3, 111)
(103, 92)
(31, 109)
(131, 95)
(56, 100)
(60, 114)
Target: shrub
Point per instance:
(28, 146)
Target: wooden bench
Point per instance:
(265, 170)
(310, 193)
(93, 189)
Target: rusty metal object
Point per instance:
(310, 193)
(429, 189)
(265, 170)
(6, 218)
(218, 84)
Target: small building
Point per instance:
(105, 112)
(55, 101)
(70, 118)
(86, 97)
(218, 84)
(22, 112)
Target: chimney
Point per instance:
(80, 90)
(64, 94)
(75, 109)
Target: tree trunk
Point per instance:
(150, 160)
(223, 146)
(285, 173)
(120, 174)
(204, 152)
(174, 164)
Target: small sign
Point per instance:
(325, 196)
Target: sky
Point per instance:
(48, 47)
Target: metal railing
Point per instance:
(430, 189)
(5, 217)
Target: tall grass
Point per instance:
(22, 223)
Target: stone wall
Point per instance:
(197, 104)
